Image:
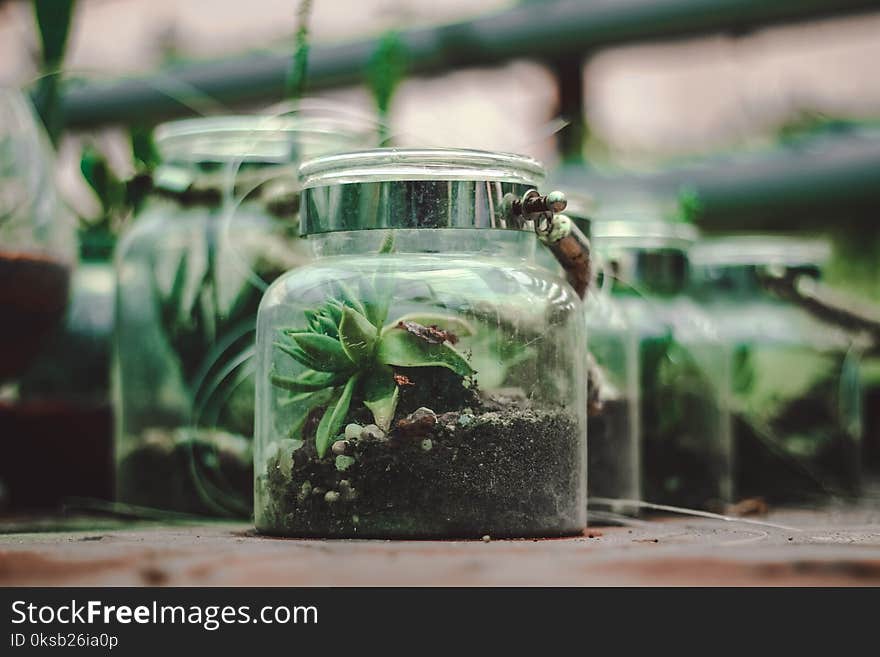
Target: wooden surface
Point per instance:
(829, 548)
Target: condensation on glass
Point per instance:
(793, 377)
(424, 377)
(219, 227)
(685, 456)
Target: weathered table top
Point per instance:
(839, 547)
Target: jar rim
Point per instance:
(757, 249)
(644, 234)
(254, 138)
(410, 164)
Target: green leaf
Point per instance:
(403, 349)
(333, 418)
(387, 243)
(295, 83)
(143, 147)
(385, 70)
(357, 336)
(351, 299)
(307, 382)
(328, 327)
(451, 323)
(333, 310)
(326, 352)
(98, 174)
(298, 355)
(380, 395)
(306, 403)
(53, 20)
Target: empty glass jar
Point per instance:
(793, 378)
(219, 227)
(685, 445)
(424, 377)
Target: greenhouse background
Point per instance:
(721, 156)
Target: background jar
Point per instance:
(683, 414)
(793, 377)
(219, 227)
(614, 471)
(37, 239)
(464, 411)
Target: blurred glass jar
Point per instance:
(37, 238)
(683, 416)
(424, 376)
(219, 227)
(613, 473)
(793, 378)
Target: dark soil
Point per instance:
(33, 297)
(766, 467)
(502, 469)
(871, 405)
(193, 475)
(611, 472)
(51, 451)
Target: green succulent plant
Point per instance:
(350, 352)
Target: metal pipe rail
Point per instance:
(537, 30)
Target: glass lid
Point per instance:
(416, 188)
(403, 164)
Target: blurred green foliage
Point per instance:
(53, 22)
(296, 78)
(385, 71)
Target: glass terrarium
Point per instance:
(424, 377)
(219, 227)
(37, 242)
(682, 415)
(613, 428)
(613, 472)
(793, 378)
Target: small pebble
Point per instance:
(344, 485)
(427, 444)
(340, 447)
(353, 431)
(487, 538)
(372, 432)
(423, 413)
(331, 496)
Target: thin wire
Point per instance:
(610, 501)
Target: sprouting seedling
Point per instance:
(350, 351)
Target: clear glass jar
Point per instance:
(37, 240)
(685, 442)
(614, 471)
(793, 378)
(37, 254)
(424, 376)
(220, 226)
